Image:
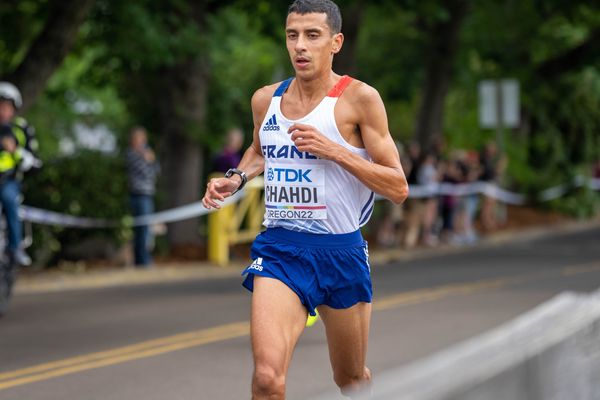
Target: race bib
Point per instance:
(295, 191)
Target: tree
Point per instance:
(345, 62)
(171, 56)
(443, 37)
(49, 48)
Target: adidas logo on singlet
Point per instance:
(271, 124)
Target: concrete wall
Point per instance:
(549, 353)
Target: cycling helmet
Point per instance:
(8, 91)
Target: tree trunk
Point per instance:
(49, 48)
(182, 105)
(442, 52)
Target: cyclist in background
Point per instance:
(17, 155)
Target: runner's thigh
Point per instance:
(278, 319)
(347, 336)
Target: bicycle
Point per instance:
(8, 266)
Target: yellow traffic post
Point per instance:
(225, 224)
(219, 234)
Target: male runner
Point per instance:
(323, 143)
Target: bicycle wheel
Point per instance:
(6, 282)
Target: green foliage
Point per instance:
(389, 50)
(124, 49)
(21, 21)
(390, 60)
(242, 60)
(55, 112)
(89, 184)
(581, 203)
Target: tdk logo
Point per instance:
(288, 175)
(271, 124)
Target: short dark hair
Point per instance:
(328, 7)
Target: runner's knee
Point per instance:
(267, 381)
(349, 382)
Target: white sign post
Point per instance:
(499, 106)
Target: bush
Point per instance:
(87, 184)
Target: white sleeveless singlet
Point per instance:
(302, 192)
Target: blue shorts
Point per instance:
(330, 269)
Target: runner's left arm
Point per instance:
(383, 174)
(252, 163)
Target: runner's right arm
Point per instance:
(252, 163)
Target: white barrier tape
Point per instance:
(466, 189)
(553, 193)
(45, 217)
(556, 192)
(183, 212)
(495, 191)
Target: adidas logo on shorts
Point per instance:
(271, 124)
(257, 264)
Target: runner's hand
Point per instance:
(219, 189)
(308, 139)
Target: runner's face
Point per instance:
(310, 43)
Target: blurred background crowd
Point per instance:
(182, 72)
(448, 218)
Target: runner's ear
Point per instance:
(337, 42)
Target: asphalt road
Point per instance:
(190, 340)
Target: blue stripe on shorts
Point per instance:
(329, 269)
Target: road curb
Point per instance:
(383, 256)
(64, 281)
(59, 281)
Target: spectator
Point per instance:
(596, 176)
(453, 175)
(17, 155)
(230, 155)
(414, 207)
(596, 170)
(467, 205)
(492, 166)
(142, 170)
(390, 229)
(428, 177)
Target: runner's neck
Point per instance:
(313, 90)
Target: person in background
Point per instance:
(230, 156)
(428, 176)
(453, 174)
(414, 207)
(466, 210)
(596, 170)
(492, 167)
(142, 171)
(596, 176)
(392, 228)
(17, 155)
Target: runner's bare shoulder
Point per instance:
(361, 95)
(262, 98)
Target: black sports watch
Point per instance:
(242, 174)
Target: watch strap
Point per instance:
(242, 175)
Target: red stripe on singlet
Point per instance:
(338, 89)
